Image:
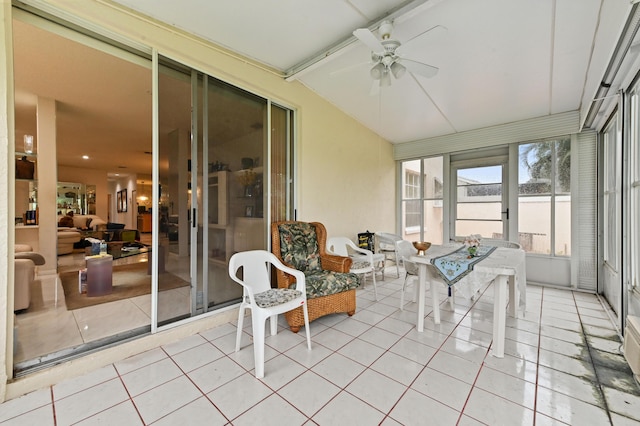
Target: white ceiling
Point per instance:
(499, 61)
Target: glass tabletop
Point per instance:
(121, 250)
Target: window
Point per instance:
(544, 197)
(422, 200)
(611, 195)
(411, 198)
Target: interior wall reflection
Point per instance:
(174, 130)
(235, 176)
(281, 137)
(213, 157)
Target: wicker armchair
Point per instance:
(329, 284)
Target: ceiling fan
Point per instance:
(386, 54)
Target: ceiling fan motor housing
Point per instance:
(385, 30)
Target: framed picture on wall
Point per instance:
(121, 201)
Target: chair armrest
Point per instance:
(364, 252)
(294, 276)
(36, 258)
(336, 263)
(283, 279)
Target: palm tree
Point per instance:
(538, 159)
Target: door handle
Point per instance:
(507, 213)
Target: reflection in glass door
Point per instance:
(480, 205)
(233, 217)
(214, 161)
(176, 289)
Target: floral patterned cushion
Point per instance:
(275, 296)
(299, 246)
(360, 265)
(324, 283)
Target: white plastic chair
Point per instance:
(363, 263)
(405, 250)
(387, 246)
(264, 301)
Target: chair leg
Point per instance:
(258, 323)
(397, 265)
(306, 325)
(273, 320)
(375, 288)
(404, 285)
(240, 325)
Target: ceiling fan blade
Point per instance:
(436, 31)
(369, 39)
(419, 68)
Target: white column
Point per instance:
(47, 184)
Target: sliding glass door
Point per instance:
(232, 218)
(217, 162)
(175, 196)
(211, 173)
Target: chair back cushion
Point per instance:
(299, 246)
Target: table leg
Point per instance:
(422, 278)
(499, 315)
(452, 297)
(435, 298)
(514, 297)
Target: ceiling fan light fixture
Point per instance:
(385, 80)
(398, 69)
(377, 71)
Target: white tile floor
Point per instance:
(562, 366)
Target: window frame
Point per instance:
(553, 194)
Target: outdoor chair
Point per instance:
(405, 250)
(363, 262)
(330, 287)
(387, 246)
(264, 301)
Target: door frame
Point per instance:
(480, 161)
